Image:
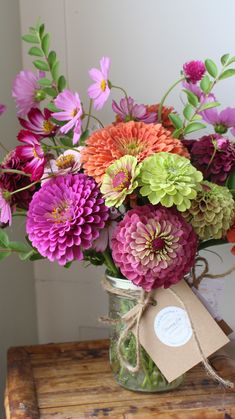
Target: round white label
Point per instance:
(172, 326)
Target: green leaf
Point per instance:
(176, 120)
(224, 59)
(205, 84)
(41, 30)
(177, 133)
(50, 91)
(61, 83)
(83, 137)
(211, 68)
(227, 73)
(4, 254)
(25, 256)
(32, 39)
(68, 264)
(196, 117)
(35, 51)
(230, 183)
(194, 126)
(36, 256)
(51, 58)
(209, 105)
(192, 98)
(41, 65)
(44, 82)
(19, 247)
(4, 240)
(188, 112)
(55, 70)
(66, 141)
(51, 106)
(46, 43)
(232, 60)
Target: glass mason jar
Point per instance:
(148, 378)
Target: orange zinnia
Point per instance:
(137, 139)
(166, 122)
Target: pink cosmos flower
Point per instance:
(27, 92)
(71, 107)
(222, 121)
(39, 122)
(68, 162)
(2, 109)
(5, 215)
(194, 88)
(99, 91)
(127, 110)
(106, 234)
(194, 71)
(32, 152)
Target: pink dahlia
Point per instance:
(71, 107)
(13, 181)
(32, 153)
(128, 110)
(65, 216)
(99, 91)
(27, 92)
(194, 71)
(2, 109)
(154, 246)
(214, 156)
(39, 122)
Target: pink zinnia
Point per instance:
(27, 92)
(32, 153)
(99, 91)
(5, 215)
(128, 110)
(71, 107)
(65, 216)
(39, 122)
(2, 109)
(194, 71)
(154, 246)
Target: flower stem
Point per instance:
(19, 172)
(165, 96)
(125, 94)
(94, 117)
(89, 114)
(4, 148)
(54, 142)
(109, 263)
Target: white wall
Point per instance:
(18, 324)
(148, 41)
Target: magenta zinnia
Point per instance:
(39, 122)
(154, 246)
(65, 217)
(32, 153)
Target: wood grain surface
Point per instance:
(74, 381)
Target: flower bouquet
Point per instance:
(139, 196)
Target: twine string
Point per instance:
(196, 279)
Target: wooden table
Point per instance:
(74, 381)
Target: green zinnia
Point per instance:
(120, 180)
(169, 179)
(212, 212)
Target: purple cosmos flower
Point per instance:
(194, 71)
(65, 216)
(32, 153)
(194, 88)
(221, 121)
(99, 91)
(214, 156)
(71, 107)
(27, 92)
(68, 162)
(2, 109)
(5, 215)
(127, 110)
(39, 122)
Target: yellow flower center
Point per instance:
(74, 112)
(61, 213)
(64, 162)
(48, 127)
(35, 154)
(103, 85)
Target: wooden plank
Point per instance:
(74, 380)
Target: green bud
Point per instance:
(40, 95)
(6, 195)
(220, 129)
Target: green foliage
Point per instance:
(227, 73)
(35, 51)
(209, 105)
(44, 82)
(41, 65)
(192, 98)
(61, 83)
(176, 120)
(230, 183)
(83, 137)
(224, 59)
(30, 38)
(51, 58)
(45, 43)
(7, 247)
(205, 84)
(55, 70)
(188, 112)
(95, 258)
(211, 68)
(4, 240)
(194, 126)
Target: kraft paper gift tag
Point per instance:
(167, 336)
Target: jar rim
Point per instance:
(122, 283)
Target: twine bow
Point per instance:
(196, 279)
